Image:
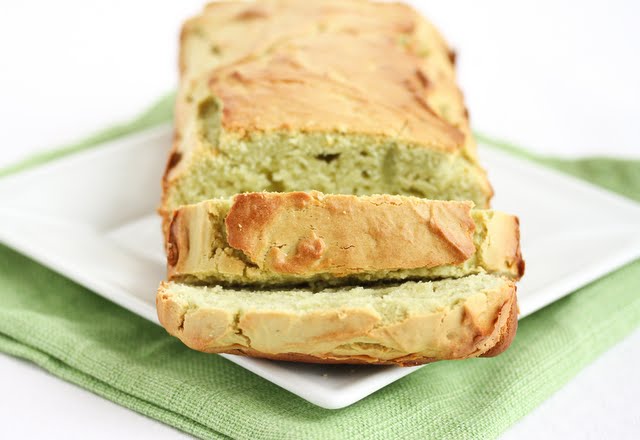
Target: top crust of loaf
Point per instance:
(342, 68)
(305, 66)
(313, 84)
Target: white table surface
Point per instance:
(558, 77)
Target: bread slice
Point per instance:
(306, 237)
(406, 324)
(344, 97)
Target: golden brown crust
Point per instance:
(480, 325)
(502, 253)
(310, 359)
(518, 259)
(223, 33)
(177, 234)
(313, 85)
(309, 232)
(303, 237)
(508, 334)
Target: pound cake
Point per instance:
(305, 237)
(323, 201)
(347, 97)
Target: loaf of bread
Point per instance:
(323, 201)
(406, 324)
(339, 96)
(304, 237)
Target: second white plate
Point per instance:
(91, 217)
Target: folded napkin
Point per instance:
(85, 339)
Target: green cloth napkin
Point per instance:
(85, 339)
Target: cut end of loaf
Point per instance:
(360, 165)
(406, 324)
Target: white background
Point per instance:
(558, 77)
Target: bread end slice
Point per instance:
(408, 324)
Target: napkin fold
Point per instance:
(85, 339)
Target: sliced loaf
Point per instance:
(306, 237)
(345, 97)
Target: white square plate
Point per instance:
(91, 216)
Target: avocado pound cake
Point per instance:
(323, 201)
